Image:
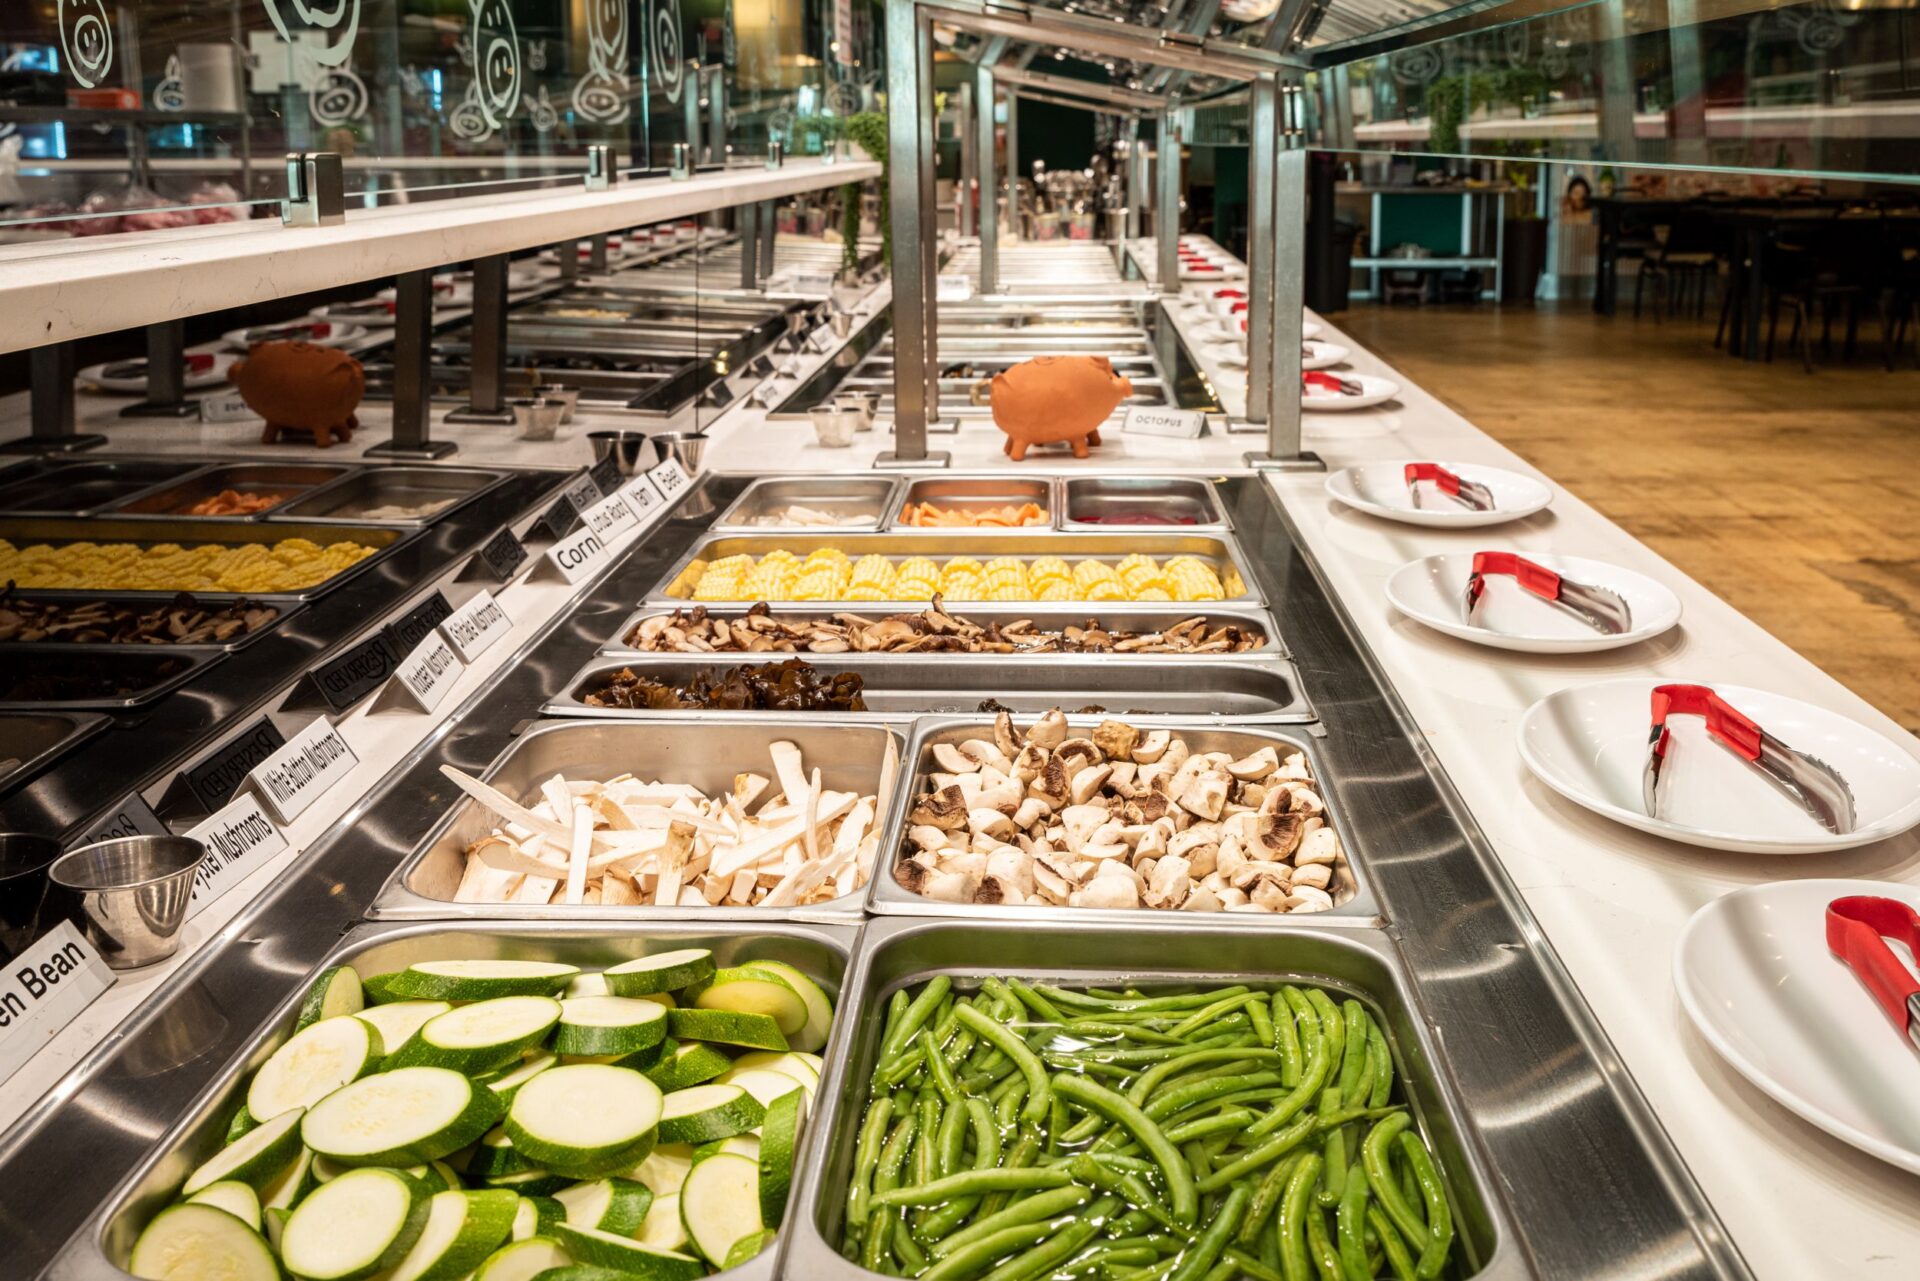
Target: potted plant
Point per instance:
(1524, 253)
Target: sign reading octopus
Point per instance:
(601, 94)
(86, 38)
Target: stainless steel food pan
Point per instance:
(943, 545)
(71, 488)
(858, 502)
(290, 480)
(33, 676)
(31, 741)
(1115, 502)
(1353, 896)
(1361, 963)
(189, 531)
(1242, 689)
(348, 500)
(148, 601)
(822, 952)
(1048, 617)
(976, 494)
(863, 758)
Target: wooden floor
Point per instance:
(1794, 496)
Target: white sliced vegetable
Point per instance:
(688, 1065)
(613, 1205)
(482, 980)
(587, 985)
(663, 1229)
(285, 1189)
(609, 1025)
(402, 1117)
(254, 1158)
(703, 1113)
(523, 1260)
(313, 1063)
(749, 989)
(793, 1065)
(397, 1021)
(191, 1242)
(334, 993)
(746, 1145)
(819, 1009)
(665, 1168)
(728, 1027)
(480, 1037)
(779, 1137)
(506, 1082)
(357, 1225)
(622, 1254)
(720, 1204)
(585, 1120)
(764, 1084)
(664, 972)
(463, 1229)
(237, 1199)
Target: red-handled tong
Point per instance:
(1329, 382)
(1815, 785)
(1468, 493)
(1596, 606)
(1858, 928)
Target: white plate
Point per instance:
(338, 334)
(371, 312)
(1590, 745)
(1323, 355)
(1755, 976)
(1217, 272)
(1433, 591)
(1374, 390)
(137, 384)
(446, 293)
(1381, 490)
(1309, 329)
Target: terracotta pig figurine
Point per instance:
(1056, 399)
(301, 387)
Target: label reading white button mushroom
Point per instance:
(294, 777)
(473, 628)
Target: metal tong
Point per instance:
(1597, 607)
(1468, 493)
(1858, 928)
(1816, 786)
(1332, 382)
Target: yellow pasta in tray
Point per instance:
(289, 565)
(829, 574)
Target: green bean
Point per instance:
(1376, 1151)
(1126, 1031)
(917, 1012)
(866, 1158)
(1208, 1013)
(926, 1140)
(879, 1241)
(1023, 994)
(1267, 1153)
(1252, 1266)
(1351, 1224)
(1262, 1020)
(1151, 1079)
(1333, 1173)
(1019, 1157)
(1311, 1079)
(896, 1010)
(1033, 1209)
(1059, 1121)
(1395, 1249)
(1189, 1001)
(907, 1250)
(893, 1155)
(1178, 1098)
(1303, 1013)
(1181, 1195)
(975, 1257)
(1039, 1089)
(1286, 1039)
(1353, 1069)
(1229, 1121)
(974, 1183)
(1042, 1258)
(1007, 1105)
(1439, 1215)
(1320, 1251)
(1294, 1206)
(1195, 1155)
(1266, 1197)
(1333, 1028)
(903, 1067)
(1382, 1065)
(952, 1141)
(1205, 1252)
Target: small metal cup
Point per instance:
(841, 323)
(536, 417)
(133, 894)
(684, 447)
(834, 426)
(569, 395)
(862, 404)
(27, 909)
(630, 447)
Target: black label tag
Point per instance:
(418, 623)
(559, 519)
(582, 492)
(761, 367)
(131, 817)
(352, 676)
(503, 555)
(214, 780)
(606, 474)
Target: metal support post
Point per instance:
(717, 115)
(1263, 132)
(166, 374)
(989, 170)
(909, 125)
(569, 251)
(749, 216)
(969, 160)
(52, 370)
(1137, 184)
(413, 373)
(487, 385)
(1017, 227)
(1166, 215)
(1289, 288)
(768, 225)
(690, 114)
(597, 255)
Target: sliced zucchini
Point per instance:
(764, 1084)
(237, 1199)
(588, 1272)
(463, 1229)
(523, 1260)
(779, 1137)
(284, 1191)
(357, 1225)
(586, 985)
(613, 1205)
(241, 1123)
(534, 1214)
(720, 1205)
(688, 1065)
(622, 1254)
(702, 1113)
(663, 1229)
(402, 1117)
(193, 1241)
(729, 1027)
(326, 1169)
(481, 1037)
(609, 1025)
(397, 1021)
(665, 1168)
(378, 988)
(752, 989)
(496, 1157)
(794, 1065)
(748, 1246)
(532, 1184)
(481, 980)
(585, 1120)
(276, 1224)
(746, 1145)
(663, 972)
(511, 1078)
(334, 993)
(437, 1176)
(311, 1065)
(254, 1158)
(819, 1009)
